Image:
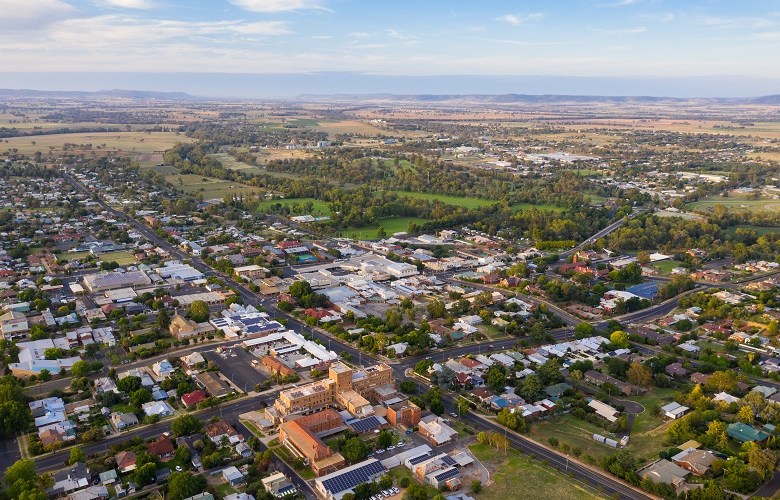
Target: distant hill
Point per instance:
(115, 93)
(528, 99)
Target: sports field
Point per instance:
(298, 206)
(391, 224)
(736, 203)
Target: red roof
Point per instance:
(289, 244)
(193, 398)
(162, 446)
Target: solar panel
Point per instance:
(447, 474)
(352, 478)
(365, 424)
(449, 460)
(422, 458)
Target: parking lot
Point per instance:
(236, 364)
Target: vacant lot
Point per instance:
(515, 472)
(574, 432)
(391, 224)
(736, 203)
(298, 206)
(209, 187)
(128, 142)
(121, 258)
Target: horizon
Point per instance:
(283, 48)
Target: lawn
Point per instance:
(228, 161)
(318, 207)
(516, 471)
(458, 201)
(392, 225)
(73, 256)
(649, 430)
(209, 187)
(736, 203)
(542, 206)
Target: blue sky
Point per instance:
(660, 39)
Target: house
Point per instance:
(698, 462)
(244, 450)
(191, 399)
(213, 384)
(436, 431)
(604, 410)
(161, 447)
(278, 484)
(232, 476)
(123, 420)
(163, 369)
(676, 370)
(71, 479)
(666, 472)
(157, 408)
(109, 477)
(674, 410)
(221, 429)
(193, 361)
(745, 433)
(125, 461)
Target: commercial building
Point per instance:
(404, 414)
(337, 484)
(346, 387)
(301, 437)
(101, 282)
(436, 431)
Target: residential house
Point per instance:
(162, 447)
(125, 461)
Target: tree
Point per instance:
(746, 415)
(496, 378)
(436, 309)
(619, 338)
(584, 330)
(163, 320)
(300, 288)
(640, 375)
(129, 384)
(76, 455)
(14, 417)
(354, 449)
(144, 474)
(139, 397)
(45, 375)
(183, 485)
(722, 381)
(186, 425)
(407, 386)
(531, 388)
(550, 372)
(511, 420)
(476, 486)
(763, 461)
(384, 439)
(199, 311)
(22, 481)
(80, 369)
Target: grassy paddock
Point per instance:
(209, 187)
(517, 472)
(319, 207)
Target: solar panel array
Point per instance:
(352, 478)
(365, 424)
(447, 474)
(422, 458)
(449, 460)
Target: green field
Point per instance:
(458, 201)
(666, 266)
(517, 472)
(233, 164)
(121, 258)
(208, 187)
(543, 206)
(318, 207)
(574, 432)
(736, 203)
(391, 224)
(760, 231)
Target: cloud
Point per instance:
(520, 19)
(620, 31)
(277, 5)
(400, 35)
(667, 17)
(620, 3)
(736, 22)
(25, 14)
(126, 4)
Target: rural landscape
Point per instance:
(365, 281)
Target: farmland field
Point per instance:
(209, 187)
(515, 471)
(736, 204)
(391, 224)
(128, 142)
(318, 207)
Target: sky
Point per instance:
(283, 47)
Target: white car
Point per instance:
(178, 468)
(391, 447)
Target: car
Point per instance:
(394, 489)
(408, 431)
(178, 468)
(380, 451)
(391, 447)
(400, 444)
